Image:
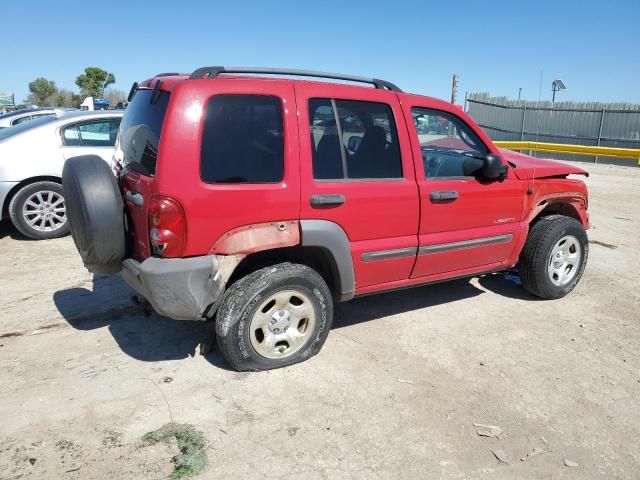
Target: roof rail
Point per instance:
(169, 74)
(213, 72)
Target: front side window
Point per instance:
(101, 133)
(242, 140)
(353, 140)
(449, 147)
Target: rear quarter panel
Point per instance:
(214, 209)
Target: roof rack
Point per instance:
(213, 72)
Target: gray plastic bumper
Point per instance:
(178, 288)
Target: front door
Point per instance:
(357, 172)
(466, 223)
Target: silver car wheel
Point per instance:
(45, 211)
(282, 324)
(564, 261)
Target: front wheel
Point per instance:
(274, 317)
(38, 211)
(554, 257)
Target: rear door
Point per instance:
(356, 171)
(467, 223)
(136, 153)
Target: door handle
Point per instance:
(135, 198)
(327, 201)
(443, 196)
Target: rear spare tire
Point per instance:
(95, 212)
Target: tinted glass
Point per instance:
(242, 140)
(361, 144)
(449, 147)
(139, 135)
(325, 143)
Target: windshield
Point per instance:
(23, 127)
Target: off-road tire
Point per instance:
(536, 253)
(244, 297)
(16, 208)
(95, 212)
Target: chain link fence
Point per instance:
(594, 124)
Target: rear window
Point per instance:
(242, 140)
(140, 129)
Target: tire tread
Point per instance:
(533, 258)
(234, 302)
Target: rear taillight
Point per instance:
(167, 227)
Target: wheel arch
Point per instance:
(19, 186)
(569, 207)
(323, 246)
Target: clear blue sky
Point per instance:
(495, 47)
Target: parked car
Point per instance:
(20, 116)
(31, 158)
(241, 207)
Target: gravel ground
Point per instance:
(394, 393)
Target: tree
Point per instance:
(93, 81)
(41, 89)
(66, 98)
(114, 97)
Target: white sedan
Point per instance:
(32, 155)
(20, 116)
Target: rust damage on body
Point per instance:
(562, 201)
(236, 244)
(257, 237)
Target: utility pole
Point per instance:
(519, 93)
(454, 88)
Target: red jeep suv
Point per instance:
(258, 199)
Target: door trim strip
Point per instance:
(389, 254)
(476, 242)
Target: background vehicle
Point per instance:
(262, 216)
(32, 155)
(90, 103)
(21, 116)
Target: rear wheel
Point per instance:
(38, 211)
(554, 257)
(274, 317)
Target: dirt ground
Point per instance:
(394, 393)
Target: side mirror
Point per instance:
(492, 167)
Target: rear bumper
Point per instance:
(178, 288)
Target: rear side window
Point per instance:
(353, 140)
(242, 140)
(140, 129)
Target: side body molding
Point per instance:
(331, 237)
